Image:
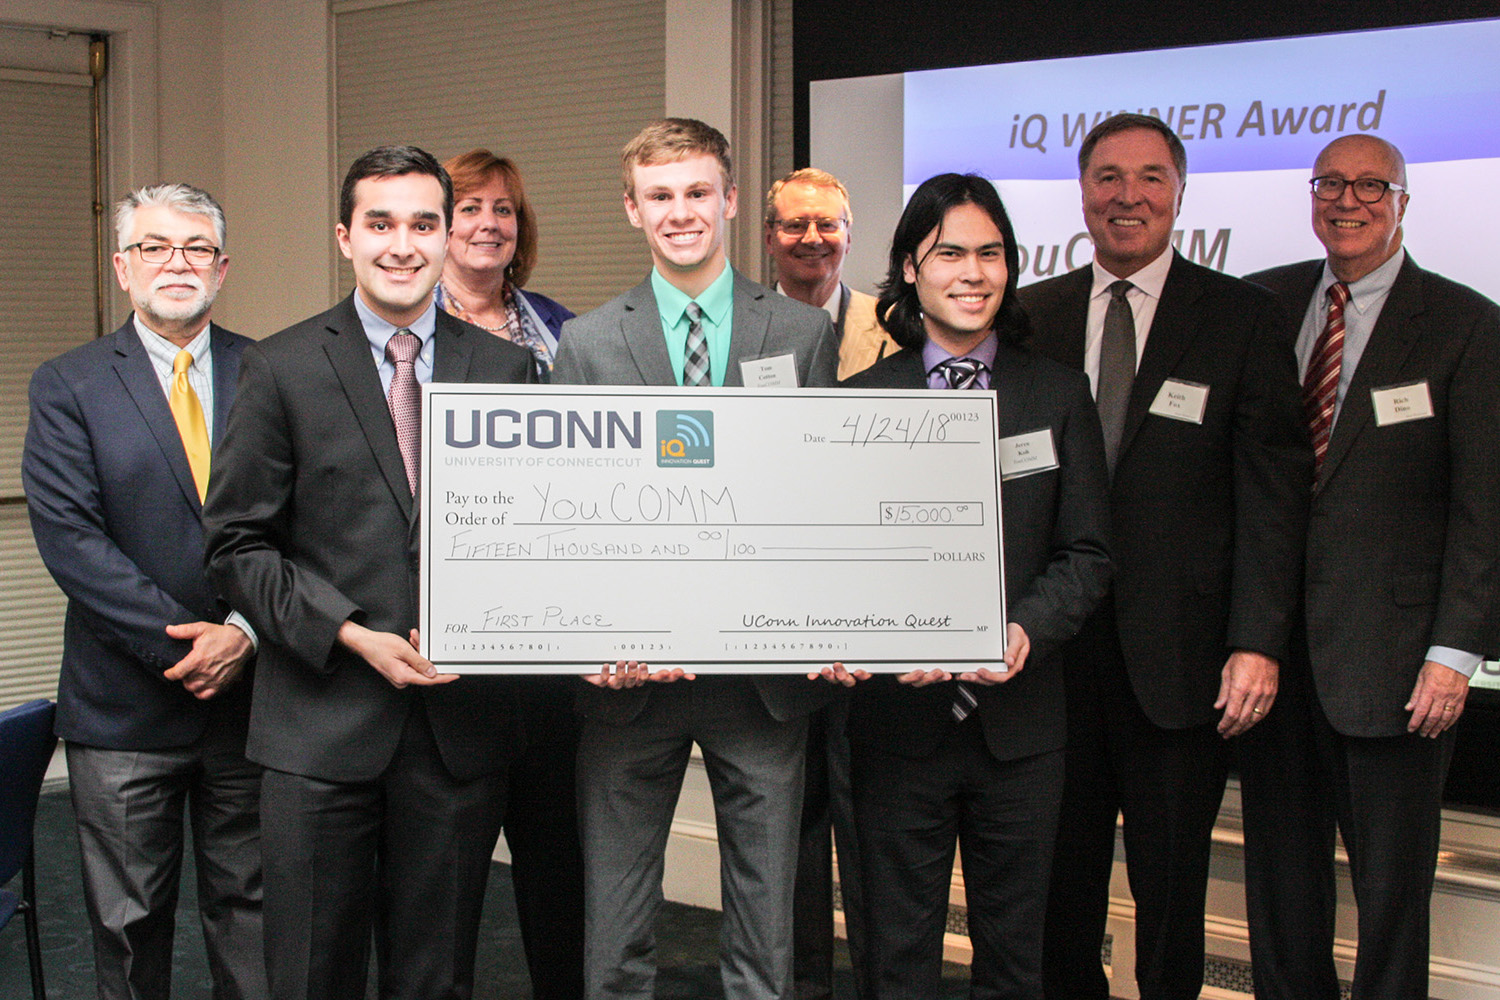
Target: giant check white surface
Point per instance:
(721, 530)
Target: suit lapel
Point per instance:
(226, 353)
(349, 353)
(1172, 330)
(452, 351)
(133, 365)
(641, 329)
(1379, 365)
(1065, 341)
(1011, 380)
(749, 328)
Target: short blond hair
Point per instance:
(812, 177)
(668, 140)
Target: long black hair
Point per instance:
(899, 309)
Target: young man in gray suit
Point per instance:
(1400, 373)
(693, 322)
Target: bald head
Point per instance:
(1365, 145)
(1360, 235)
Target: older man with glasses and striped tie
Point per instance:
(1401, 393)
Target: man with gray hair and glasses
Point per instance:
(154, 693)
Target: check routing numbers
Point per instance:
(729, 529)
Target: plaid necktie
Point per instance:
(695, 370)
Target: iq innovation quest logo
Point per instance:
(685, 438)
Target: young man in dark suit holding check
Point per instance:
(977, 760)
(385, 783)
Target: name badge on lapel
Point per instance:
(1399, 403)
(1027, 454)
(770, 373)
(1178, 400)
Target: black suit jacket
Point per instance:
(1403, 548)
(116, 518)
(621, 343)
(311, 522)
(1056, 565)
(1208, 520)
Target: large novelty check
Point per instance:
(721, 530)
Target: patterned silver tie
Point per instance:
(695, 370)
(405, 400)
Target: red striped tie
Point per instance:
(1320, 387)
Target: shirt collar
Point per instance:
(163, 350)
(933, 355)
(1149, 279)
(832, 306)
(1370, 289)
(715, 300)
(379, 330)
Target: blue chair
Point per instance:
(26, 745)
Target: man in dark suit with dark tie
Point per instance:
(1401, 386)
(154, 693)
(385, 783)
(977, 760)
(694, 321)
(1210, 469)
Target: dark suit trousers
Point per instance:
(405, 855)
(546, 860)
(827, 813)
(1300, 780)
(1003, 816)
(130, 806)
(1168, 785)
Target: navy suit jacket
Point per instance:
(1056, 565)
(117, 521)
(1404, 541)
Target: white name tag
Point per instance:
(770, 373)
(1401, 403)
(1178, 400)
(1025, 454)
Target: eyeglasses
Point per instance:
(1367, 189)
(196, 255)
(799, 227)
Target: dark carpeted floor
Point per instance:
(687, 936)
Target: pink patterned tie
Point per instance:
(1320, 386)
(405, 400)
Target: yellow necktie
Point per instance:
(189, 415)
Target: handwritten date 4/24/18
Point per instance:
(880, 428)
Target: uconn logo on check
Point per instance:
(543, 429)
(685, 438)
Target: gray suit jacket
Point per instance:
(1404, 540)
(621, 343)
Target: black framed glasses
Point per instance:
(196, 254)
(1367, 189)
(799, 227)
